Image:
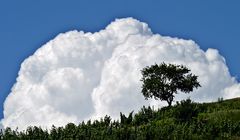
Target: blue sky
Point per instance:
(26, 25)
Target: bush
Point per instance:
(186, 110)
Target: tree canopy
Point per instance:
(164, 80)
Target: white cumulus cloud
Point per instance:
(78, 76)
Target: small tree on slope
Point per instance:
(164, 80)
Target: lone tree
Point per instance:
(164, 80)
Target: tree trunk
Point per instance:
(169, 101)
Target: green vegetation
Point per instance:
(185, 120)
(164, 80)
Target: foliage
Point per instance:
(164, 80)
(186, 110)
(185, 120)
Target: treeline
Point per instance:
(185, 120)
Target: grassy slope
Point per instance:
(185, 120)
(227, 109)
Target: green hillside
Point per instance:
(185, 120)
